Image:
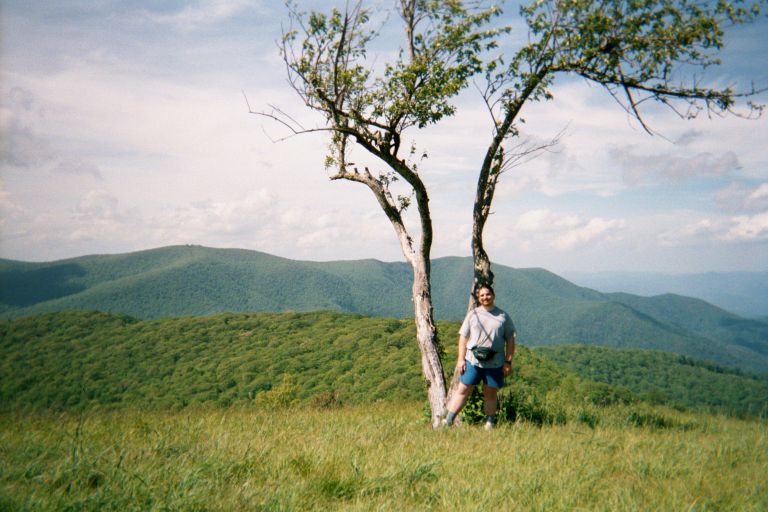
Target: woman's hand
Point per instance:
(461, 366)
(507, 368)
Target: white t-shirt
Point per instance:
(487, 329)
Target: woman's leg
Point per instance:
(460, 398)
(491, 400)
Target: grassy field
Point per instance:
(378, 457)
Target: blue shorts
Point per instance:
(473, 375)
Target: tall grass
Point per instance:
(378, 457)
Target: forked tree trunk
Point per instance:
(481, 274)
(417, 254)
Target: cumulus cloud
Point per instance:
(8, 209)
(23, 147)
(689, 137)
(217, 220)
(545, 220)
(594, 229)
(637, 167)
(717, 231)
(748, 228)
(100, 216)
(740, 197)
(5, 197)
(20, 147)
(692, 233)
(564, 231)
(200, 14)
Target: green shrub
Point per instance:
(525, 404)
(327, 400)
(281, 396)
(473, 410)
(587, 418)
(519, 403)
(653, 420)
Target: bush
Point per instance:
(653, 420)
(521, 403)
(327, 400)
(473, 410)
(280, 396)
(588, 418)
(526, 405)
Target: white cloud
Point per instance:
(9, 211)
(743, 198)
(564, 231)
(638, 166)
(217, 220)
(748, 228)
(545, 220)
(593, 230)
(716, 231)
(5, 198)
(24, 148)
(201, 13)
(692, 233)
(689, 137)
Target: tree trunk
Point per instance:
(482, 274)
(421, 292)
(426, 335)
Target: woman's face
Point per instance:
(485, 297)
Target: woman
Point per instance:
(484, 327)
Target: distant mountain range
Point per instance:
(743, 293)
(191, 280)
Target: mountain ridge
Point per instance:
(548, 309)
(744, 293)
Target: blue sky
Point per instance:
(124, 128)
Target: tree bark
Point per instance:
(418, 256)
(426, 335)
(481, 274)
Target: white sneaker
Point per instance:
(489, 426)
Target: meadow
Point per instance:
(101, 411)
(379, 456)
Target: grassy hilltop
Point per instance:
(375, 457)
(325, 411)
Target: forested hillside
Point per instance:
(185, 281)
(75, 359)
(82, 359)
(666, 378)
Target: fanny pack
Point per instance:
(483, 353)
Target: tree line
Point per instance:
(79, 359)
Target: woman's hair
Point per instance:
(487, 287)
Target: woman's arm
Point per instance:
(462, 354)
(509, 354)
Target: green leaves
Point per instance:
(638, 50)
(326, 55)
